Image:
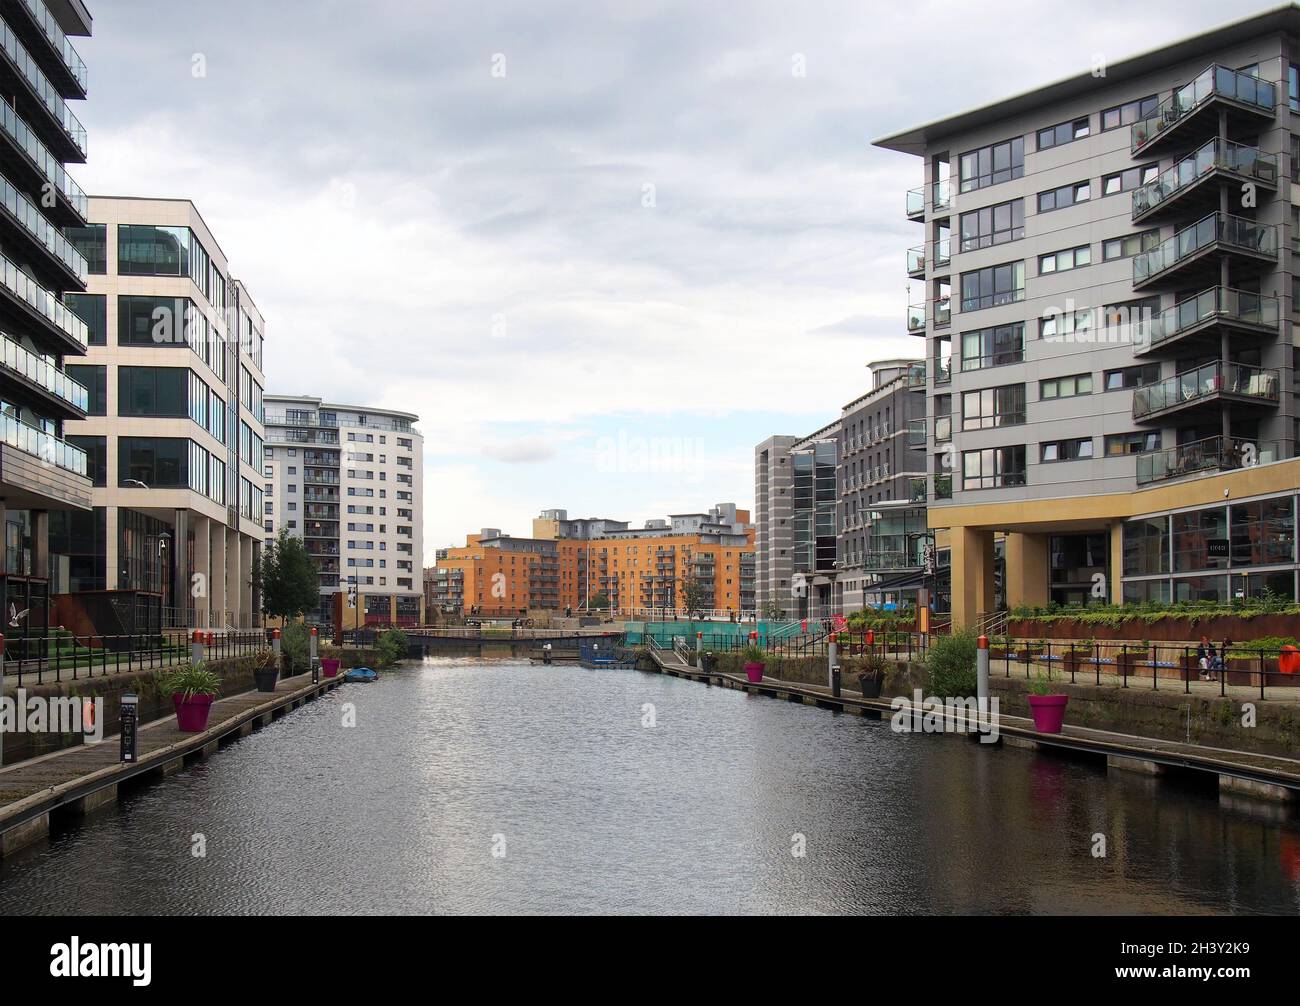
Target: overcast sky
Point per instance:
(601, 248)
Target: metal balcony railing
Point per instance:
(40, 371)
(1213, 82)
(1216, 154)
(1216, 303)
(1215, 378)
(39, 444)
(1210, 454)
(1223, 229)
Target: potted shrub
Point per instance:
(1076, 655)
(265, 673)
(193, 688)
(1127, 658)
(754, 658)
(873, 668)
(1046, 705)
(1030, 652)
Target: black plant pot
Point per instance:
(266, 679)
(870, 685)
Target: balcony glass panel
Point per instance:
(42, 372)
(1211, 454)
(1224, 155)
(40, 83)
(1221, 228)
(1213, 378)
(49, 165)
(942, 252)
(916, 318)
(916, 259)
(942, 190)
(1217, 302)
(1214, 81)
(915, 202)
(58, 40)
(41, 300)
(39, 444)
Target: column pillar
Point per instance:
(40, 542)
(1115, 580)
(1027, 577)
(112, 553)
(182, 595)
(233, 576)
(202, 568)
(972, 575)
(246, 611)
(217, 574)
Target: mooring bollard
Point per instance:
(275, 648)
(315, 661)
(196, 647)
(982, 674)
(546, 653)
(835, 681)
(831, 666)
(128, 718)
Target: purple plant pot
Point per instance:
(754, 672)
(1048, 712)
(192, 713)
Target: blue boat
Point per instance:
(361, 674)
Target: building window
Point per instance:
(1067, 450)
(993, 347)
(1065, 324)
(993, 286)
(1066, 387)
(96, 449)
(157, 321)
(155, 461)
(1129, 245)
(92, 244)
(1129, 179)
(1066, 195)
(1061, 261)
(152, 391)
(1000, 162)
(993, 407)
(993, 225)
(993, 468)
(92, 308)
(95, 380)
(1146, 546)
(1132, 377)
(1293, 87)
(1192, 531)
(1128, 113)
(1139, 442)
(1054, 136)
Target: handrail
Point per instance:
(1215, 153)
(1213, 81)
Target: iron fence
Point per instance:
(61, 657)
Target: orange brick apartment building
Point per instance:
(570, 564)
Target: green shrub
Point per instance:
(295, 648)
(189, 680)
(753, 654)
(393, 646)
(951, 665)
(1042, 685)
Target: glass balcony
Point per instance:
(42, 301)
(942, 429)
(943, 487)
(942, 192)
(39, 444)
(39, 227)
(916, 203)
(916, 318)
(43, 373)
(1238, 160)
(1217, 305)
(1227, 232)
(1210, 454)
(1212, 381)
(942, 310)
(916, 490)
(916, 261)
(916, 376)
(47, 92)
(888, 559)
(942, 252)
(58, 40)
(46, 163)
(916, 433)
(1215, 83)
(942, 369)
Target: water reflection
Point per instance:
(597, 813)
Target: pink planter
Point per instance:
(329, 666)
(192, 713)
(1048, 712)
(754, 671)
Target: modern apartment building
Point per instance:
(349, 481)
(173, 427)
(840, 513)
(571, 565)
(43, 477)
(1112, 383)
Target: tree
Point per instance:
(599, 602)
(696, 594)
(287, 578)
(773, 611)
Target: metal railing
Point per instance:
(59, 41)
(1213, 82)
(1215, 303)
(43, 372)
(39, 444)
(69, 657)
(1212, 379)
(1214, 154)
(1210, 454)
(1215, 228)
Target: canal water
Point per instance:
(475, 785)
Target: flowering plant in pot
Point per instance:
(193, 688)
(1046, 704)
(755, 660)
